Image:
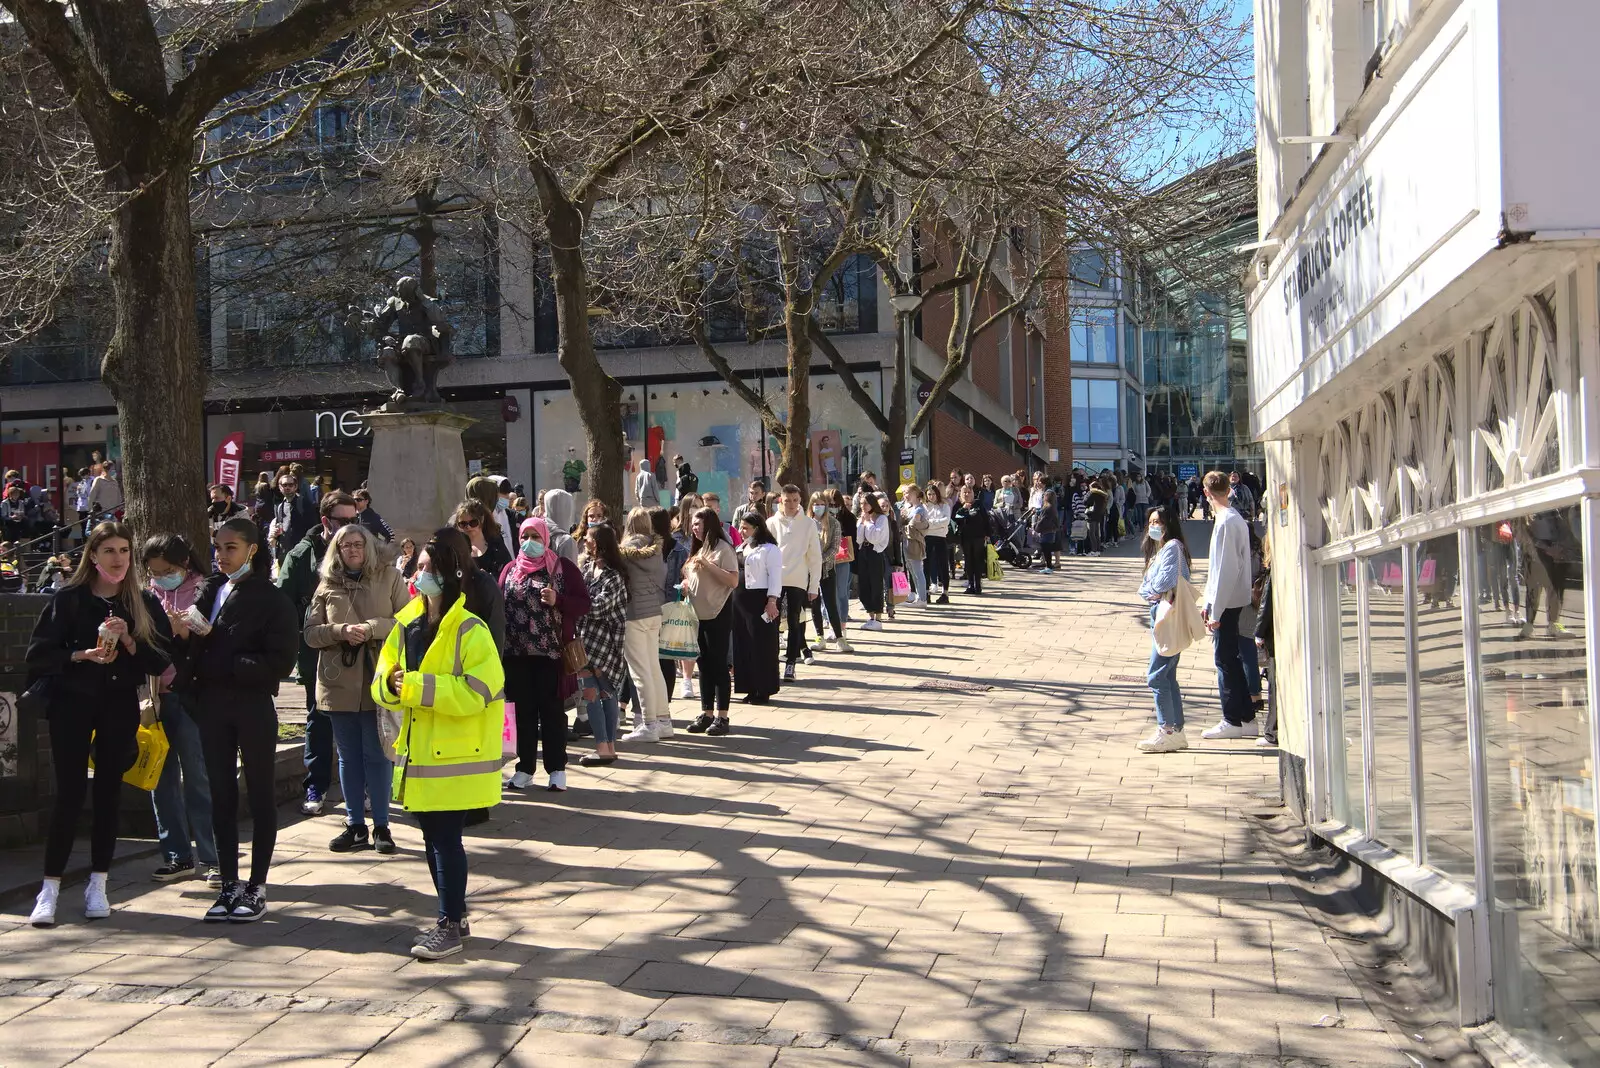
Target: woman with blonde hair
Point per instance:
(93, 646)
(645, 570)
(351, 614)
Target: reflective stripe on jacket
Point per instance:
(453, 709)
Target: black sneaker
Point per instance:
(173, 870)
(944, 598)
(806, 657)
(220, 912)
(443, 941)
(581, 729)
(351, 839)
(719, 726)
(424, 934)
(701, 723)
(788, 671)
(250, 905)
(382, 840)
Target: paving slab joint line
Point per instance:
(646, 1030)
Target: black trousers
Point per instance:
(938, 561)
(533, 683)
(870, 571)
(794, 602)
(113, 719)
(1232, 685)
(241, 730)
(828, 588)
(716, 684)
(974, 549)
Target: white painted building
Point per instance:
(1425, 376)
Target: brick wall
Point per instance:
(958, 445)
(1057, 427)
(27, 794)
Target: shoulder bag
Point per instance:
(1178, 624)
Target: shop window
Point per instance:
(1532, 632)
(1439, 651)
(1389, 708)
(1347, 778)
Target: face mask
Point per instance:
(170, 581)
(1154, 532)
(427, 584)
(104, 574)
(533, 548)
(819, 510)
(833, 509)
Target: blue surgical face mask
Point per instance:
(1155, 531)
(819, 510)
(170, 581)
(428, 584)
(533, 548)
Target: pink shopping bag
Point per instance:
(1430, 572)
(1392, 576)
(508, 733)
(899, 587)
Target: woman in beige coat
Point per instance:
(351, 614)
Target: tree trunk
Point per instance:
(152, 366)
(599, 396)
(426, 236)
(795, 466)
(894, 437)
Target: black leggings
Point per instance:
(716, 686)
(1047, 551)
(239, 730)
(975, 551)
(829, 589)
(938, 561)
(794, 603)
(533, 684)
(113, 719)
(447, 858)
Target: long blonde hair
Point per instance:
(333, 564)
(131, 593)
(638, 522)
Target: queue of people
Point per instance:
(418, 660)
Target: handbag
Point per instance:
(1178, 624)
(899, 587)
(680, 632)
(1080, 529)
(847, 550)
(574, 656)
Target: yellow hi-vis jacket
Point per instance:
(453, 707)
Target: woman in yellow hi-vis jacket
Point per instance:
(439, 668)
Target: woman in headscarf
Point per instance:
(545, 596)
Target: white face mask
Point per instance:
(1155, 532)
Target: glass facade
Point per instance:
(1094, 335)
(1095, 418)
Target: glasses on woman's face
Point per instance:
(466, 524)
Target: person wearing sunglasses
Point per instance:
(298, 576)
(472, 520)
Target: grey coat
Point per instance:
(646, 574)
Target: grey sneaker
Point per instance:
(443, 941)
(423, 935)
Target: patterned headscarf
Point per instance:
(524, 568)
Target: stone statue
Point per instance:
(417, 350)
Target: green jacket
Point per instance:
(453, 712)
(298, 576)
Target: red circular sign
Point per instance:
(1028, 436)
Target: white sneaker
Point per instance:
(688, 688)
(1226, 730)
(822, 644)
(663, 729)
(872, 624)
(1164, 742)
(643, 733)
(558, 782)
(1265, 743)
(521, 781)
(44, 906)
(95, 905)
(844, 646)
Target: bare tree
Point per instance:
(143, 84)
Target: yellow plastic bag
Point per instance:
(153, 747)
(995, 572)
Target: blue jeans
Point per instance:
(919, 579)
(364, 770)
(605, 713)
(1252, 664)
(318, 750)
(840, 610)
(1163, 681)
(1226, 650)
(182, 797)
(447, 860)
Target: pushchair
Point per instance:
(1013, 539)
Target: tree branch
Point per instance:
(852, 384)
(769, 418)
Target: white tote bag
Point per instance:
(1178, 624)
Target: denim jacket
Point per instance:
(1161, 577)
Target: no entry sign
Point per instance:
(1028, 436)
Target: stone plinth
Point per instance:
(419, 472)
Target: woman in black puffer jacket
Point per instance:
(232, 671)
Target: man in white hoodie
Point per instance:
(801, 546)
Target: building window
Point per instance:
(1094, 335)
(1390, 709)
(1088, 268)
(1095, 418)
(1346, 745)
(1440, 641)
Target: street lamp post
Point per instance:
(905, 306)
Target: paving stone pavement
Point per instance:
(883, 868)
